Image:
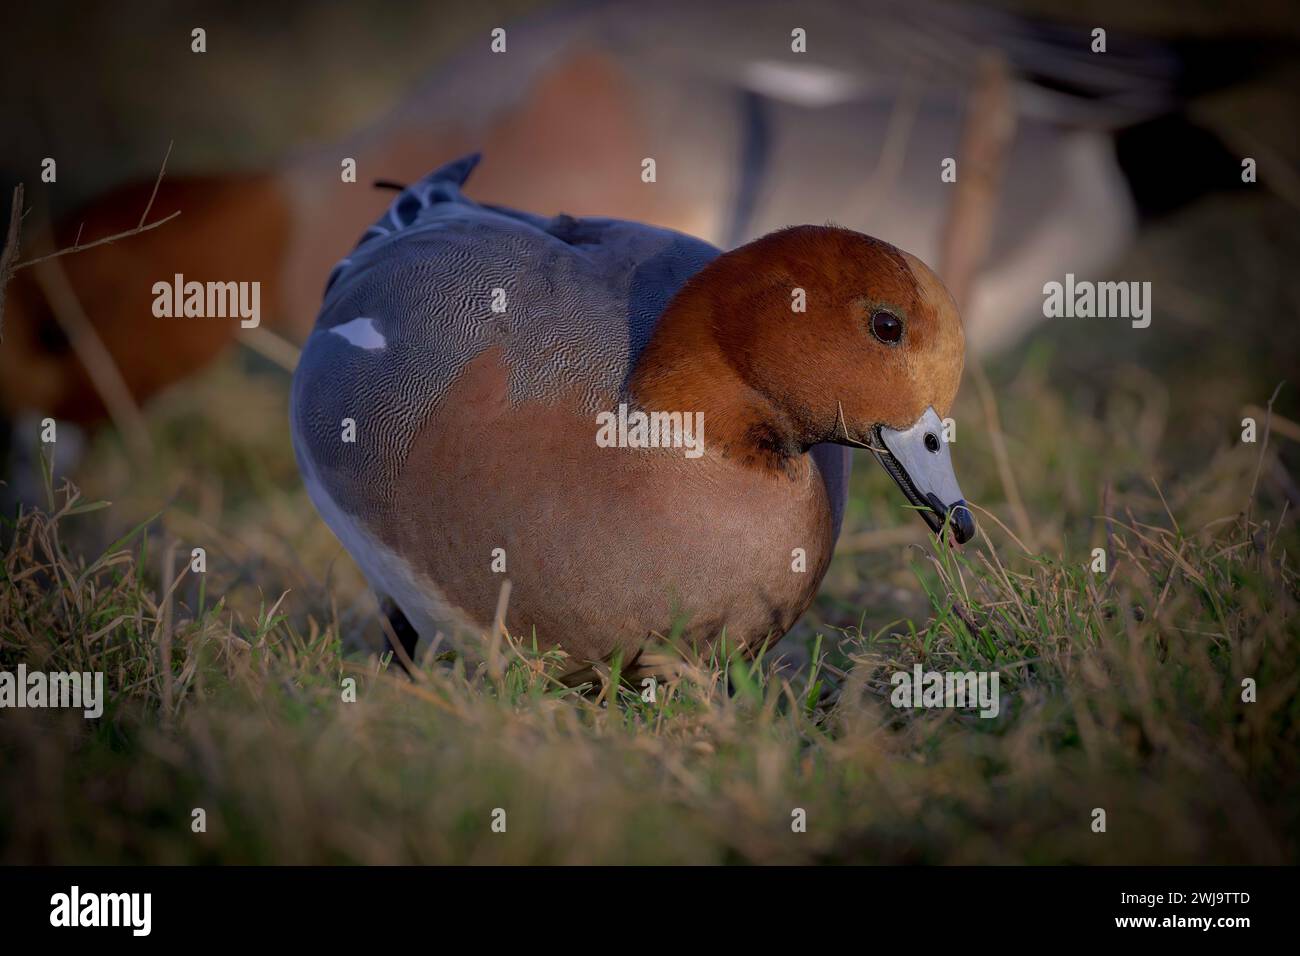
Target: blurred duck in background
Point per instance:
(756, 115)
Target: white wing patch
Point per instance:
(362, 333)
(811, 85)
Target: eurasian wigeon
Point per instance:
(468, 409)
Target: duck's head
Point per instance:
(833, 336)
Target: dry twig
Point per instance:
(79, 246)
(990, 127)
(10, 251)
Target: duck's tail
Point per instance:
(1144, 90)
(443, 185)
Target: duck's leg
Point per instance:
(398, 627)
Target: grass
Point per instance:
(1119, 690)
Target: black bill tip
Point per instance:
(959, 518)
(962, 521)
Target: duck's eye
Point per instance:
(887, 327)
(931, 442)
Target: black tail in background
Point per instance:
(1170, 162)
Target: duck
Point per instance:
(453, 413)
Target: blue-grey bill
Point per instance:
(919, 460)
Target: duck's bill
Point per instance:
(919, 460)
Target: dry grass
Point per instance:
(1120, 691)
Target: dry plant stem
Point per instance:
(82, 247)
(10, 251)
(78, 246)
(496, 668)
(413, 672)
(1019, 513)
(95, 358)
(1263, 449)
(898, 132)
(402, 686)
(156, 183)
(882, 538)
(989, 129)
(998, 521)
(1110, 522)
(271, 347)
(165, 624)
(1280, 425)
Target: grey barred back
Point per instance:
(413, 304)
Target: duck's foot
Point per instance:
(400, 628)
